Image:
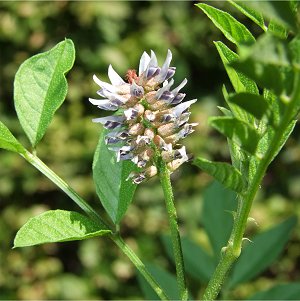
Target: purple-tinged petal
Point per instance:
(165, 67)
(104, 85)
(167, 97)
(181, 154)
(136, 90)
(144, 62)
(152, 71)
(166, 86)
(170, 73)
(181, 108)
(131, 114)
(153, 60)
(110, 122)
(180, 86)
(114, 77)
(178, 98)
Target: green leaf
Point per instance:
(40, 88)
(200, 269)
(279, 11)
(57, 226)
(264, 143)
(8, 141)
(240, 82)
(233, 30)
(166, 280)
(289, 291)
(110, 177)
(277, 29)
(252, 14)
(225, 173)
(294, 47)
(254, 104)
(218, 202)
(268, 63)
(263, 251)
(238, 131)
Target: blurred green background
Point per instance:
(117, 33)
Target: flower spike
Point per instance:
(150, 117)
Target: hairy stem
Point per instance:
(51, 175)
(165, 181)
(233, 249)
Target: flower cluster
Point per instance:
(150, 115)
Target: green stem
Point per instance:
(233, 249)
(165, 181)
(52, 176)
(44, 169)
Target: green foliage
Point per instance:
(110, 177)
(218, 206)
(240, 82)
(40, 88)
(264, 248)
(233, 30)
(8, 141)
(200, 269)
(267, 62)
(290, 291)
(280, 11)
(238, 131)
(252, 14)
(225, 173)
(57, 226)
(167, 280)
(251, 103)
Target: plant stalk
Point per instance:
(234, 247)
(51, 175)
(164, 176)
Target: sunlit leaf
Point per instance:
(8, 141)
(268, 63)
(110, 177)
(263, 250)
(225, 173)
(40, 88)
(233, 30)
(240, 82)
(252, 14)
(57, 226)
(280, 11)
(238, 131)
